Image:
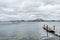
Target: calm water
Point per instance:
(25, 30)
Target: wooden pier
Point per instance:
(48, 29)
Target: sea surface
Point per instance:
(26, 30)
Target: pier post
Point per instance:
(44, 25)
(54, 28)
(47, 30)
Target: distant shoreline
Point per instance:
(32, 21)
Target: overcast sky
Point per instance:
(29, 9)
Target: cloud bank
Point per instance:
(29, 9)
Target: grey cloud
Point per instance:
(51, 1)
(29, 9)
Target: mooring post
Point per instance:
(44, 25)
(47, 30)
(54, 27)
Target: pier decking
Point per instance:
(48, 29)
